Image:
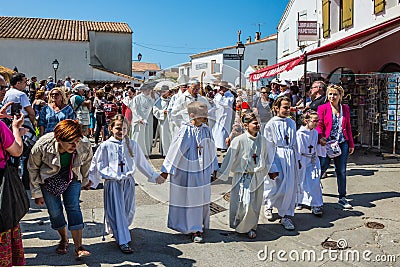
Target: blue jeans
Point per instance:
(72, 207)
(340, 167)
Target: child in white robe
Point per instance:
(247, 158)
(280, 133)
(190, 162)
(116, 160)
(309, 187)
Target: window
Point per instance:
(346, 13)
(326, 6)
(286, 40)
(213, 62)
(263, 62)
(379, 6)
(136, 85)
(152, 73)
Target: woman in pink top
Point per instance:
(11, 249)
(335, 124)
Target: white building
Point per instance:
(353, 35)
(144, 71)
(223, 64)
(85, 50)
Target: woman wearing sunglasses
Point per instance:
(56, 111)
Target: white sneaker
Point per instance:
(299, 206)
(268, 213)
(287, 223)
(344, 203)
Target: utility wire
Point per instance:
(169, 46)
(164, 51)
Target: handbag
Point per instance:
(58, 183)
(14, 202)
(333, 149)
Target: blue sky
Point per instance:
(178, 28)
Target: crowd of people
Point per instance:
(276, 163)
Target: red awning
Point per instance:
(354, 41)
(275, 69)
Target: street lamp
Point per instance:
(139, 57)
(55, 67)
(240, 52)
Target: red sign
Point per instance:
(307, 30)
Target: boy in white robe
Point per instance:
(280, 133)
(160, 112)
(116, 160)
(309, 188)
(190, 162)
(142, 119)
(247, 158)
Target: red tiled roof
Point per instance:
(144, 66)
(56, 29)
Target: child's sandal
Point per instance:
(125, 248)
(81, 252)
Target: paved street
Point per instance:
(373, 187)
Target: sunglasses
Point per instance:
(54, 94)
(264, 92)
(3, 87)
(314, 120)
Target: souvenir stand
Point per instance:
(391, 117)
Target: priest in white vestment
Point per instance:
(172, 126)
(223, 115)
(179, 113)
(142, 119)
(160, 112)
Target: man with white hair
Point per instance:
(81, 106)
(223, 115)
(179, 113)
(142, 118)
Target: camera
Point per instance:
(16, 109)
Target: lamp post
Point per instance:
(55, 67)
(139, 57)
(240, 52)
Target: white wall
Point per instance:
(34, 57)
(113, 50)
(287, 36)
(230, 68)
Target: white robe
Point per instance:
(119, 186)
(172, 126)
(179, 113)
(159, 108)
(190, 161)
(282, 191)
(142, 133)
(309, 187)
(248, 180)
(223, 118)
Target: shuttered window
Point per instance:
(326, 6)
(347, 13)
(379, 6)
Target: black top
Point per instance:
(317, 102)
